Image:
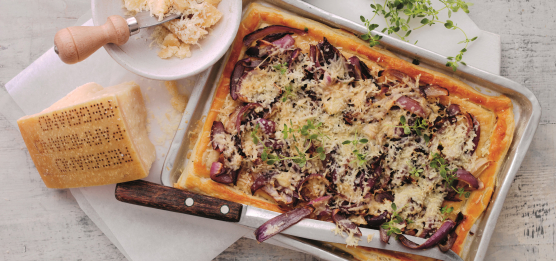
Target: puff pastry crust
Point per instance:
(495, 114)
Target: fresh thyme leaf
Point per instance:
(254, 134)
(281, 67)
(427, 138)
(446, 212)
(288, 93)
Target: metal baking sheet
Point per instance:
(527, 112)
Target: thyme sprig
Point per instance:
(390, 226)
(281, 67)
(448, 175)
(398, 23)
(446, 212)
(360, 156)
(308, 132)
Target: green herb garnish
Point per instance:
(446, 211)
(399, 13)
(360, 157)
(395, 219)
(281, 67)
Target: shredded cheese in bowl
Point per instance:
(174, 38)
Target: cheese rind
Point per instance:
(93, 136)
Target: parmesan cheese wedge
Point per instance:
(93, 136)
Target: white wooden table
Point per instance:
(37, 223)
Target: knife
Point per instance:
(153, 195)
(74, 44)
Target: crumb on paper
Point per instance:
(178, 101)
(194, 134)
(369, 238)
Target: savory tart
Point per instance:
(310, 120)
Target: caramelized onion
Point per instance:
(360, 69)
(384, 237)
(411, 105)
(318, 201)
(477, 128)
(274, 37)
(293, 57)
(281, 222)
(234, 78)
(329, 52)
(217, 128)
(434, 90)
(220, 174)
(467, 177)
(378, 220)
(450, 240)
(273, 29)
(380, 197)
(267, 126)
(285, 42)
(440, 235)
(453, 110)
(393, 74)
(243, 113)
(345, 224)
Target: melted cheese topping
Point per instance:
(343, 110)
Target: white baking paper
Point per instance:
(148, 234)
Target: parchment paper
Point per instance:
(149, 234)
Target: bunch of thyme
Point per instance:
(416, 9)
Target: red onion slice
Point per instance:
(450, 240)
(318, 201)
(411, 105)
(281, 222)
(234, 78)
(440, 234)
(329, 52)
(274, 37)
(345, 224)
(217, 128)
(267, 126)
(477, 129)
(453, 110)
(293, 57)
(467, 177)
(220, 174)
(273, 29)
(432, 91)
(285, 42)
(243, 113)
(380, 197)
(384, 237)
(378, 220)
(393, 74)
(361, 71)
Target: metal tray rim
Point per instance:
(521, 143)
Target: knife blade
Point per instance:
(144, 20)
(153, 195)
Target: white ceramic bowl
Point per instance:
(136, 55)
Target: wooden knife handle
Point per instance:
(153, 195)
(74, 44)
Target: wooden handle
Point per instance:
(74, 44)
(153, 195)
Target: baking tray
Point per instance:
(527, 112)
